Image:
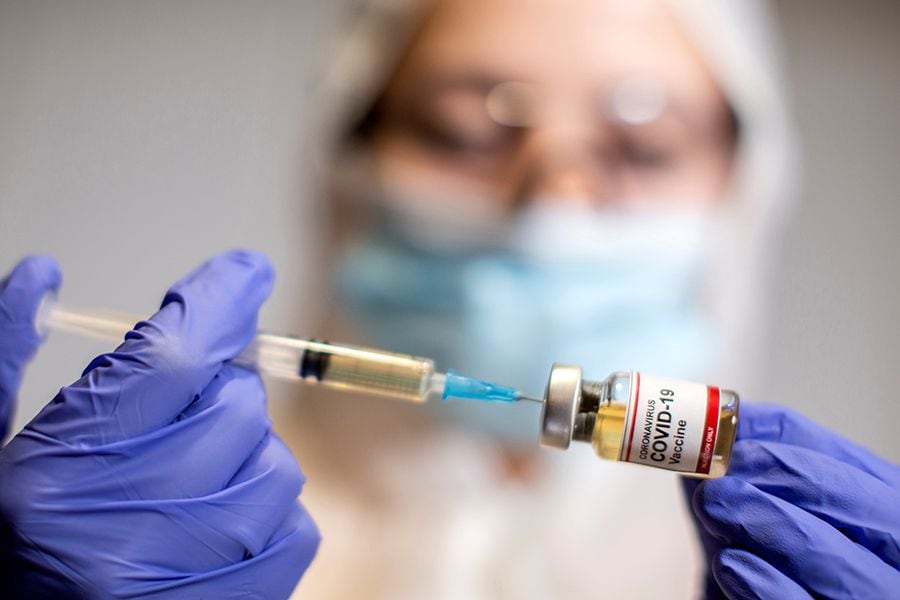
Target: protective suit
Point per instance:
(413, 509)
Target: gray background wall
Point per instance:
(835, 333)
(137, 138)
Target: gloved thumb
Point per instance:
(21, 293)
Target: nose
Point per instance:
(559, 166)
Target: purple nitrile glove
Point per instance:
(157, 475)
(20, 296)
(802, 513)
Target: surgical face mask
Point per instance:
(606, 290)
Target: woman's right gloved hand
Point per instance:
(802, 513)
(157, 475)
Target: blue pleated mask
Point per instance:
(607, 290)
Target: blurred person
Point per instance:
(512, 184)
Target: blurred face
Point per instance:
(590, 101)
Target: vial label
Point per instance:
(671, 424)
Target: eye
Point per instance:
(646, 155)
(464, 137)
(463, 131)
(456, 121)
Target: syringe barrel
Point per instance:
(399, 376)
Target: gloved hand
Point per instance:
(20, 294)
(156, 475)
(802, 513)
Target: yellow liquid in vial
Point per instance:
(609, 431)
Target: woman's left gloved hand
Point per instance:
(802, 513)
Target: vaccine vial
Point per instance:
(640, 418)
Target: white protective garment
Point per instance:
(410, 511)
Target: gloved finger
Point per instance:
(710, 545)
(773, 423)
(257, 501)
(21, 293)
(273, 573)
(859, 505)
(240, 519)
(195, 456)
(180, 546)
(800, 545)
(742, 575)
(164, 363)
(23, 289)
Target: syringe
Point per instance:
(399, 376)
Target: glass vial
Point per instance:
(641, 418)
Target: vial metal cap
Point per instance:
(561, 400)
